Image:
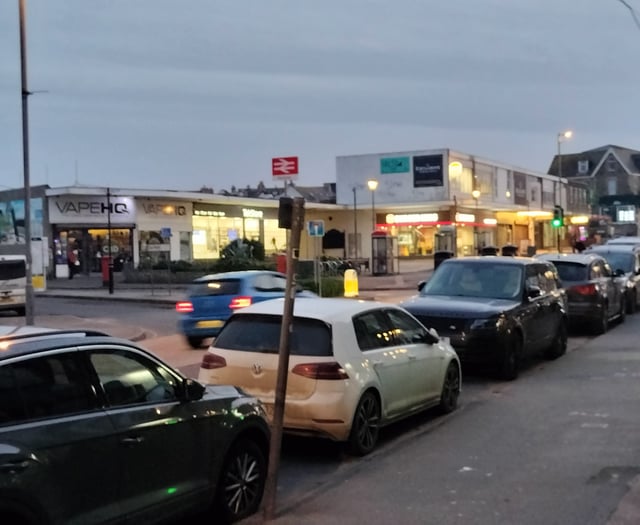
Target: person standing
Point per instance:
(73, 261)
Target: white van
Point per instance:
(13, 283)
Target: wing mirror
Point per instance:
(421, 285)
(533, 292)
(193, 390)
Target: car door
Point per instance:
(164, 444)
(532, 313)
(550, 304)
(426, 361)
(389, 361)
(58, 449)
(610, 289)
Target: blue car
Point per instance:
(213, 298)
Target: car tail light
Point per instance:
(240, 302)
(585, 289)
(211, 361)
(184, 307)
(331, 371)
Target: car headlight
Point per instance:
(491, 323)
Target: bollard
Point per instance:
(350, 283)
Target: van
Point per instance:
(13, 283)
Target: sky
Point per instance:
(179, 95)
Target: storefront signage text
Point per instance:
(411, 218)
(251, 213)
(163, 209)
(92, 207)
(465, 217)
(209, 213)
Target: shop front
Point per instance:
(86, 228)
(215, 226)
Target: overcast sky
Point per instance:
(179, 94)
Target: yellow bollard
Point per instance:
(350, 283)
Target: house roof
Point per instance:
(628, 158)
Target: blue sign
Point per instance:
(394, 165)
(315, 228)
(165, 233)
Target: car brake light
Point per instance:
(240, 302)
(585, 289)
(211, 361)
(331, 371)
(184, 307)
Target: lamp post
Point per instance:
(355, 225)
(476, 195)
(372, 184)
(563, 135)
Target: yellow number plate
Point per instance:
(209, 324)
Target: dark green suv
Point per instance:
(95, 429)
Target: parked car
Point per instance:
(354, 366)
(594, 291)
(627, 240)
(495, 310)
(95, 429)
(624, 258)
(213, 298)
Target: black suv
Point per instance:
(94, 429)
(495, 310)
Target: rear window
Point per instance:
(217, 287)
(12, 270)
(571, 271)
(261, 333)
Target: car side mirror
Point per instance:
(193, 390)
(533, 292)
(421, 285)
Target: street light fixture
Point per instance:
(476, 195)
(562, 136)
(372, 184)
(355, 224)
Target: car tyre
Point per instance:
(632, 306)
(365, 427)
(509, 366)
(195, 342)
(241, 483)
(559, 345)
(450, 390)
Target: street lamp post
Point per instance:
(355, 225)
(476, 195)
(563, 135)
(372, 184)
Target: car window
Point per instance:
(626, 262)
(372, 331)
(44, 387)
(269, 283)
(572, 271)
(406, 330)
(532, 276)
(597, 270)
(547, 278)
(215, 287)
(261, 333)
(471, 279)
(606, 269)
(128, 378)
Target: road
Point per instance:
(558, 445)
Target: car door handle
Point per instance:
(132, 441)
(14, 466)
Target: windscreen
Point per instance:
(620, 261)
(571, 271)
(474, 279)
(261, 333)
(10, 270)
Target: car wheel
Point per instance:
(632, 306)
(241, 482)
(366, 425)
(602, 325)
(195, 342)
(450, 390)
(510, 364)
(559, 345)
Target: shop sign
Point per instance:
(163, 208)
(394, 165)
(427, 171)
(465, 217)
(411, 218)
(91, 210)
(249, 213)
(209, 213)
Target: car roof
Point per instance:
(614, 248)
(624, 240)
(328, 309)
(31, 340)
(240, 274)
(577, 258)
(492, 259)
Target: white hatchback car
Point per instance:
(354, 366)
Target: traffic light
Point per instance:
(558, 217)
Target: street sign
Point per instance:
(165, 233)
(315, 228)
(284, 167)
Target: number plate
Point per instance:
(209, 324)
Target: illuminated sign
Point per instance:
(411, 218)
(455, 168)
(251, 213)
(465, 217)
(490, 222)
(209, 213)
(626, 213)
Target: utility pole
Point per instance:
(293, 252)
(25, 162)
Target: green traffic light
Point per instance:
(556, 223)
